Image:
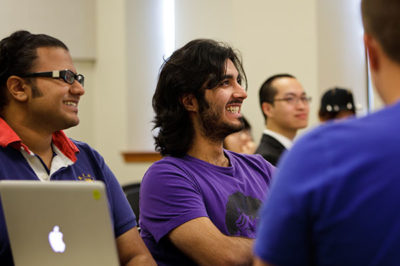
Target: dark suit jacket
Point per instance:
(270, 148)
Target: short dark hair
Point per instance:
(197, 66)
(267, 92)
(381, 19)
(18, 54)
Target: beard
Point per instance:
(213, 127)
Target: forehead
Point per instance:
(286, 85)
(52, 58)
(230, 68)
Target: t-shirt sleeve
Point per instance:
(169, 197)
(283, 236)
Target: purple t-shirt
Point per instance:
(177, 190)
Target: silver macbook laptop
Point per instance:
(58, 223)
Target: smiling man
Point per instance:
(39, 96)
(199, 203)
(285, 107)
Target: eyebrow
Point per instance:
(227, 77)
(294, 94)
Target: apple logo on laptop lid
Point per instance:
(56, 240)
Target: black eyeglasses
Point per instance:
(67, 75)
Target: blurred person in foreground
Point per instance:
(336, 197)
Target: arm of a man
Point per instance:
(201, 240)
(132, 250)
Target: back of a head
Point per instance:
(18, 54)
(267, 92)
(197, 66)
(381, 19)
(334, 101)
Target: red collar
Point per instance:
(8, 137)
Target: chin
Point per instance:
(70, 123)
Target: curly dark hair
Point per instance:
(197, 66)
(18, 54)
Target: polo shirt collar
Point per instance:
(8, 137)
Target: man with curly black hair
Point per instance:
(199, 203)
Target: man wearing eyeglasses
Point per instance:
(39, 96)
(285, 107)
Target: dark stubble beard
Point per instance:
(212, 127)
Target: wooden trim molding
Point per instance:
(140, 157)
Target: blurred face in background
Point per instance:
(240, 142)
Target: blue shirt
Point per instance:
(336, 197)
(77, 161)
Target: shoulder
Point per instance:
(256, 159)
(81, 145)
(165, 165)
(251, 162)
(333, 144)
(269, 145)
(86, 150)
(167, 171)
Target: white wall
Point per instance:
(341, 54)
(276, 37)
(72, 21)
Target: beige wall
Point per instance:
(273, 36)
(341, 55)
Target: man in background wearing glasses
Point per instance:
(39, 96)
(285, 107)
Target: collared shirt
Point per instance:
(63, 148)
(282, 139)
(74, 160)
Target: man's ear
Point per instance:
(17, 88)
(267, 108)
(373, 51)
(190, 102)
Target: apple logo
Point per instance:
(56, 240)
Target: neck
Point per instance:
(38, 141)
(208, 151)
(389, 82)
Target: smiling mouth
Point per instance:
(70, 103)
(233, 109)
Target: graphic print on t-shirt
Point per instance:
(242, 215)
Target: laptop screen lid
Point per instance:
(58, 223)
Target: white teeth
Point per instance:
(233, 109)
(71, 103)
